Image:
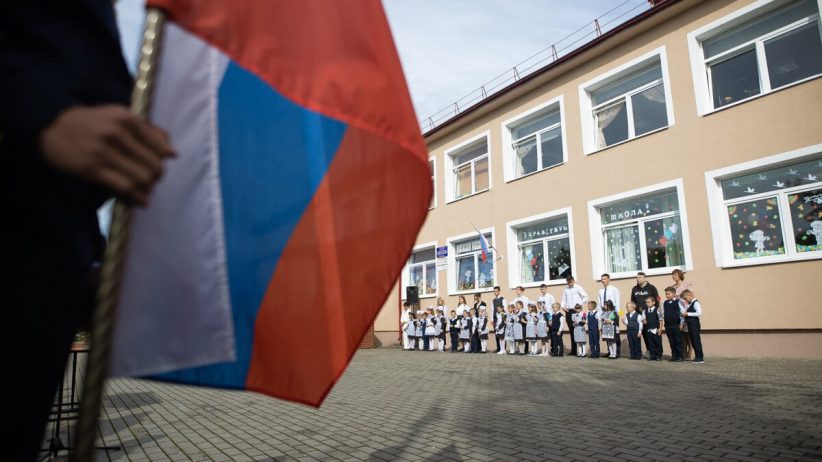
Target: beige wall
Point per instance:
(388, 317)
(775, 296)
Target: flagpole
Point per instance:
(498, 253)
(109, 291)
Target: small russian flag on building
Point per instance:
(483, 244)
(267, 250)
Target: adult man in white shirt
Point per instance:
(609, 292)
(572, 295)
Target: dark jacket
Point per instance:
(53, 55)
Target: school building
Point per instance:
(688, 137)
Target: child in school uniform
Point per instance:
(411, 332)
(419, 335)
(519, 328)
(580, 337)
(609, 328)
(558, 327)
(531, 329)
(482, 330)
(430, 329)
(592, 325)
(454, 330)
(633, 324)
(425, 338)
(692, 313)
(475, 342)
(652, 326)
(499, 329)
(404, 317)
(441, 328)
(542, 327)
(465, 332)
(672, 318)
(510, 320)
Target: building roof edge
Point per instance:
(657, 8)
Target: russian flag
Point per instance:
(301, 182)
(484, 245)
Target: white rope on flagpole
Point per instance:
(109, 291)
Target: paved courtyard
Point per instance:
(396, 405)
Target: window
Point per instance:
(771, 212)
(630, 107)
(755, 51)
(534, 141)
(432, 164)
(541, 248)
(472, 271)
(469, 168)
(422, 271)
(626, 103)
(642, 230)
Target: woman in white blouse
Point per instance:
(679, 284)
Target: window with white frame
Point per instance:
(774, 213)
(432, 164)
(769, 49)
(629, 104)
(544, 250)
(643, 233)
(536, 141)
(422, 271)
(473, 271)
(470, 168)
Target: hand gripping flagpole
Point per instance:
(109, 291)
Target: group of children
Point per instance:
(537, 329)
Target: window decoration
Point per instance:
(776, 211)
(422, 271)
(544, 249)
(643, 233)
(474, 272)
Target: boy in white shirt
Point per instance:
(692, 313)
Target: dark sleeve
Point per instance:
(29, 100)
(54, 55)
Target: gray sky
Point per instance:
(449, 48)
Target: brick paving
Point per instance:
(395, 405)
